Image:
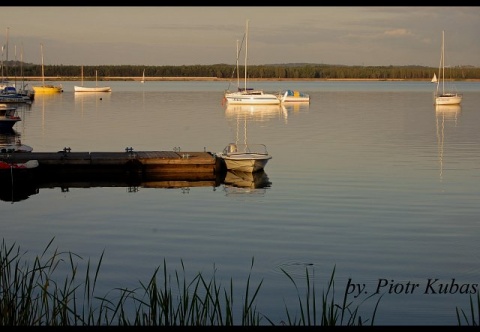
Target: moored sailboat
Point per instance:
(96, 88)
(249, 96)
(46, 88)
(443, 97)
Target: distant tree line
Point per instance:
(226, 71)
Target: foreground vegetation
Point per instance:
(31, 296)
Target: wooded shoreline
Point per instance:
(152, 79)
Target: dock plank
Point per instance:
(170, 162)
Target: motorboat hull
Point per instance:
(246, 162)
(245, 157)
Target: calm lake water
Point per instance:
(370, 179)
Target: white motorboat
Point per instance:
(245, 157)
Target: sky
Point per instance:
(180, 35)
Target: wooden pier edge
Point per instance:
(146, 163)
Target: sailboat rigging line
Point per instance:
(239, 50)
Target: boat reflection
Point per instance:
(255, 112)
(91, 96)
(48, 100)
(14, 188)
(90, 100)
(297, 107)
(444, 114)
(246, 183)
(16, 192)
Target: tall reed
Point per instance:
(34, 295)
(474, 314)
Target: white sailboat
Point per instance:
(434, 78)
(96, 88)
(444, 97)
(143, 77)
(248, 96)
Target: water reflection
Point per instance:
(255, 112)
(47, 101)
(296, 107)
(13, 191)
(16, 187)
(444, 114)
(246, 183)
(86, 101)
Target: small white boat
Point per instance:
(92, 89)
(434, 78)
(245, 157)
(96, 88)
(293, 96)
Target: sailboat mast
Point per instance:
(238, 73)
(6, 62)
(21, 66)
(443, 61)
(43, 70)
(246, 54)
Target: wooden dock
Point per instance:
(159, 164)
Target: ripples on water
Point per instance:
(369, 178)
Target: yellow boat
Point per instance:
(46, 88)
